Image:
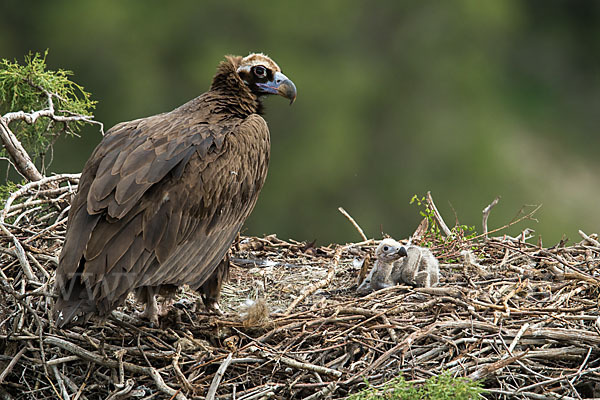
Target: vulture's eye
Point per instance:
(260, 71)
(385, 248)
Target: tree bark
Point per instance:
(22, 161)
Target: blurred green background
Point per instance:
(467, 99)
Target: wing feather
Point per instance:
(167, 210)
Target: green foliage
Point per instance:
(441, 387)
(26, 88)
(6, 190)
(434, 234)
(433, 230)
(446, 387)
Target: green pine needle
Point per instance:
(24, 88)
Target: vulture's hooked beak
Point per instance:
(280, 85)
(402, 251)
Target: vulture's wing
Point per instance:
(159, 203)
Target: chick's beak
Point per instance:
(280, 85)
(402, 251)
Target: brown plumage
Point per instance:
(162, 198)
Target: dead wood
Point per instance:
(522, 318)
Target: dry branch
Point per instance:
(296, 364)
(17, 153)
(437, 215)
(527, 323)
(353, 222)
(486, 213)
(212, 390)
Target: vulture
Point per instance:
(162, 198)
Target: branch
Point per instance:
(49, 112)
(15, 149)
(486, 213)
(212, 391)
(437, 215)
(353, 222)
(98, 359)
(295, 363)
(22, 160)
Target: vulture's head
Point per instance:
(263, 76)
(256, 73)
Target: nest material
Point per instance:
(523, 319)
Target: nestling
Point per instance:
(419, 268)
(388, 252)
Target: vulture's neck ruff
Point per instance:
(242, 82)
(234, 94)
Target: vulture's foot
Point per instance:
(165, 306)
(212, 306)
(154, 310)
(151, 312)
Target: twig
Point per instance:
(177, 370)
(437, 215)
(11, 364)
(420, 232)
(323, 393)
(20, 253)
(486, 213)
(31, 185)
(585, 360)
(518, 337)
(514, 221)
(212, 391)
(318, 285)
(589, 239)
(61, 383)
(122, 390)
(558, 379)
(56, 361)
(88, 355)
(297, 364)
(483, 371)
(353, 222)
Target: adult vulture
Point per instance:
(162, 198)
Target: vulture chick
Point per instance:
(162, 198)
(419, 268)
(386, 254)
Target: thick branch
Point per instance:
(22, 161)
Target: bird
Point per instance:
(386, 254)
(162, 198)
(419, 268)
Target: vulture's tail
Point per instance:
(73, 306)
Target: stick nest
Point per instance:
(522, 318)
